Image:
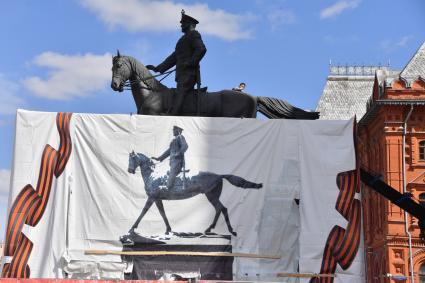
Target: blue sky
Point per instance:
(56, 55)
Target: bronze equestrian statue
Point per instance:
(188, 53)
(153, 98)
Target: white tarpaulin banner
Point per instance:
(214, 185)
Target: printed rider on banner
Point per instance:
(178, 147)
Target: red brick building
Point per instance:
(391, 138)
(392, 144)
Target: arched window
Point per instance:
(422, 150)
(422, 199)
(422, 273)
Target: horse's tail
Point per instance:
(241, 182)
(274, 108)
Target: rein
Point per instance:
(129, 83)
(142, 164)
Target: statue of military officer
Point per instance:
(188, 53)
(178, 147)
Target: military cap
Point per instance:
(188, 19)
(178, 128)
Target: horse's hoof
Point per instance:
(234, 233)
(126, 241)
(169, 232)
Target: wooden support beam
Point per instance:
(181, 253)
(305, 275)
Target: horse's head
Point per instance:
(120, 72)
(138, 159)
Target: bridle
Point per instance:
(144, 164)
(129, 83)
(136, 81)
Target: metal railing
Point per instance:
(355, 70)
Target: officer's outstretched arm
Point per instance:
(164, 155)
(168, 63)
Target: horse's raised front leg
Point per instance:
(148, 204)
(164, 217)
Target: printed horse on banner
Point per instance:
(207, 183)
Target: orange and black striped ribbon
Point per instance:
(29, 206)
(342, 244)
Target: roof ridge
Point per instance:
(412, 60)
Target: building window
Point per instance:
(422, 273)
(422, 199)
(422, 150)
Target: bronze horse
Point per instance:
(154, 98)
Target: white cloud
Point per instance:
(279, 17)
(345, 39)
(150, 15)
(9, 99)
(392, 45)
(70, 75)
(338, 8)
(4, 185)
(403, 41)
(142, 48)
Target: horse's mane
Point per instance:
(143, 72)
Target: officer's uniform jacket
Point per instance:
(188, 53)
(178, 147)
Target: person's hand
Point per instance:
(154, 158)
(152, 68)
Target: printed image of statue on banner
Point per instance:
(185, 194)
(179, 183)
